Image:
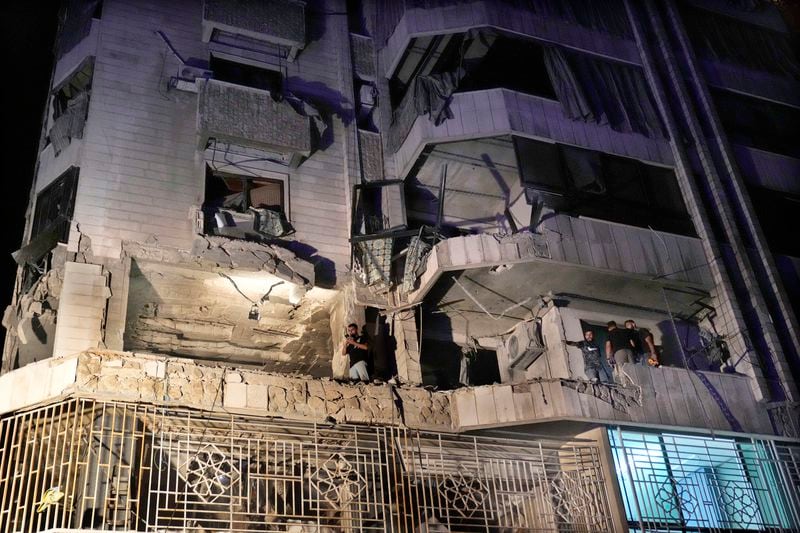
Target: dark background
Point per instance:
(28, 30)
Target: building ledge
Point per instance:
(664, 396)
(497, 112)
(548, 254)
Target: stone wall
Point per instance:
(662, 396)
(162, 380)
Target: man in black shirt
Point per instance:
(619, 346)
(592, 358)
(643, 345)
(356, 346)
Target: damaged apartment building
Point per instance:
(224, 185)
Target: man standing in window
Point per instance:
(356, 346)
(643, 345)
(592, 359)
(619, 346)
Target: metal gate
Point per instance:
(88, 464)
(672, 482)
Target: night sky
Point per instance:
(27, 43)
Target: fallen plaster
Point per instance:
(31, 323)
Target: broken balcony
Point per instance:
(281, 22)
(505, 325)
(449, 89)
(378, 228)
(511, 199)
(569, 22)
(250, 117)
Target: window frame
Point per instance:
(68, 180)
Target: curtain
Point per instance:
(605, 92)
(584, 168)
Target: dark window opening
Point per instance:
(513, 64)
(489, 61)
(587, 183)
(355, 17)
(382, 363)
(776, 212)
(758, 123)
(483, 368)
(440, 362)
(420, 58)
(55, 205)
(71, 106)
(244, 207)
(246, 75)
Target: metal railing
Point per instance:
(118, 466)
(673, 482)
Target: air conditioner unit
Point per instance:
(525, 345)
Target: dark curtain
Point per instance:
(430, 94)
(584, 168)
(604, 92)
(726, 39)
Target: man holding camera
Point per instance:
(356, 346)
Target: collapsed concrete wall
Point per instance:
(161, 380)
(30, 321)
(229, 315)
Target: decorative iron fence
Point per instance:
(673, 482)
(83, 463)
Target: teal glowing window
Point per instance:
(693, 483)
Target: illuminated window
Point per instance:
(691, 483)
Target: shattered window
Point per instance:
(244, 207)
(55, 205)
(70, 106)
(593, 184)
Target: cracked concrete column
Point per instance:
(408, 347)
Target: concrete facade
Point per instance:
(448, 239)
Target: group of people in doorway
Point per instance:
(630, 344)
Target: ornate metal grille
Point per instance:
(689, 483)
(117, 466)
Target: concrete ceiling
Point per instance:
(510, 293)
